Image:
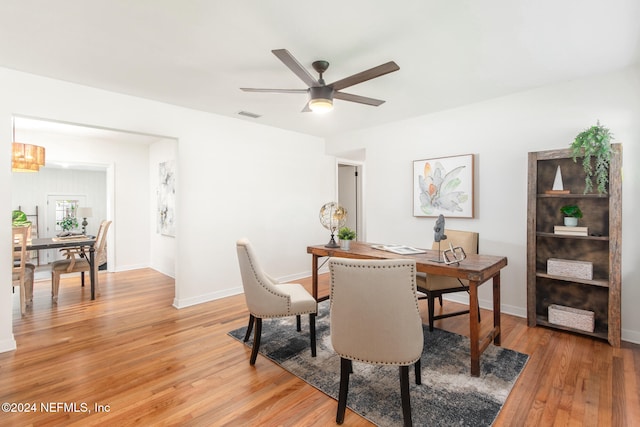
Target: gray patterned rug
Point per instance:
(448, 396)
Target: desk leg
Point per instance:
(496, 309)
(92, 272)
(474, 328)
(314, 276)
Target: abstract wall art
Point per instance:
(444, 186)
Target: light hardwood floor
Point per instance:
(144, 362)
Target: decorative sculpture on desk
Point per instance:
(453, 255)
(332, 217)
(439, 235)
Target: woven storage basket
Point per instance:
(572, 317)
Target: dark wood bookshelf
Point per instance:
(602, 214)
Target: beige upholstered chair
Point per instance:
(266, 298)
(375, 319)
(435, 286)
(77, 262)
(22, 271)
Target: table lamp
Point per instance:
(85, 213)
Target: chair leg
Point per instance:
(55, 285)
(312, 332)
(23, 299)
(256, 341)
(418, 367)
(404, 393)
(431, 309)
(440, 299)
(298, 323)
(345, 370)
(249, 328)
(82, 280)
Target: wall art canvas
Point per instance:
(444, 186)
(166, 198)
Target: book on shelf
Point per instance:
(571, 231)
(399, 249)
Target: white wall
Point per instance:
(500, 133)
(235, 179)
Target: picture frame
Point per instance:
(444, 185)
(166, 199)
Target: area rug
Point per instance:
(448, 396)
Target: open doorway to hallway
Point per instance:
(350, 195)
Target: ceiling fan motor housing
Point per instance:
(321, 92)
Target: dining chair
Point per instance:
(375, 319)
(266, 298)
(77, 261)
(22, 272)
(433, 286)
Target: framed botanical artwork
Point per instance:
(443, 185)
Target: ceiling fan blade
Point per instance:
(363, 76)
(250, 89)
(296, 67)
(357, 98)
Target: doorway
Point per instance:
(350, 191)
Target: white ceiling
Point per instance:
(198, 53)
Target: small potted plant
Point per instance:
(346, 235)
(67, 224)
(571, 215)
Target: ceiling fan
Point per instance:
(321, 95)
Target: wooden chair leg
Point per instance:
(249, 328)
(256, 340)
(418, 367)
(312, 332)
(404, 393)
(55, 286)
(82, 279)
(345, 370)
(298, 323)
(440, 299)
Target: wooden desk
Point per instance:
(477, 269)
(56, 243)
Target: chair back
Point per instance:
(262, 297)
(374, 311)
(467, 240)
(19, 254)
(101, 243)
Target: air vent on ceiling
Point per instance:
(248, 114)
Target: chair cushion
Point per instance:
(63, 265)
(301, 301)
(438, 283)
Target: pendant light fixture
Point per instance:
(26, 157)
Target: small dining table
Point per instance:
(70, 242)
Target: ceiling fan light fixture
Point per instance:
(321, 99)
(321, 105)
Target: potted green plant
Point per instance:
(346, 235)
(68, 223)
(571, 215)
(594, 142)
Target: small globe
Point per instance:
(332, 216)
